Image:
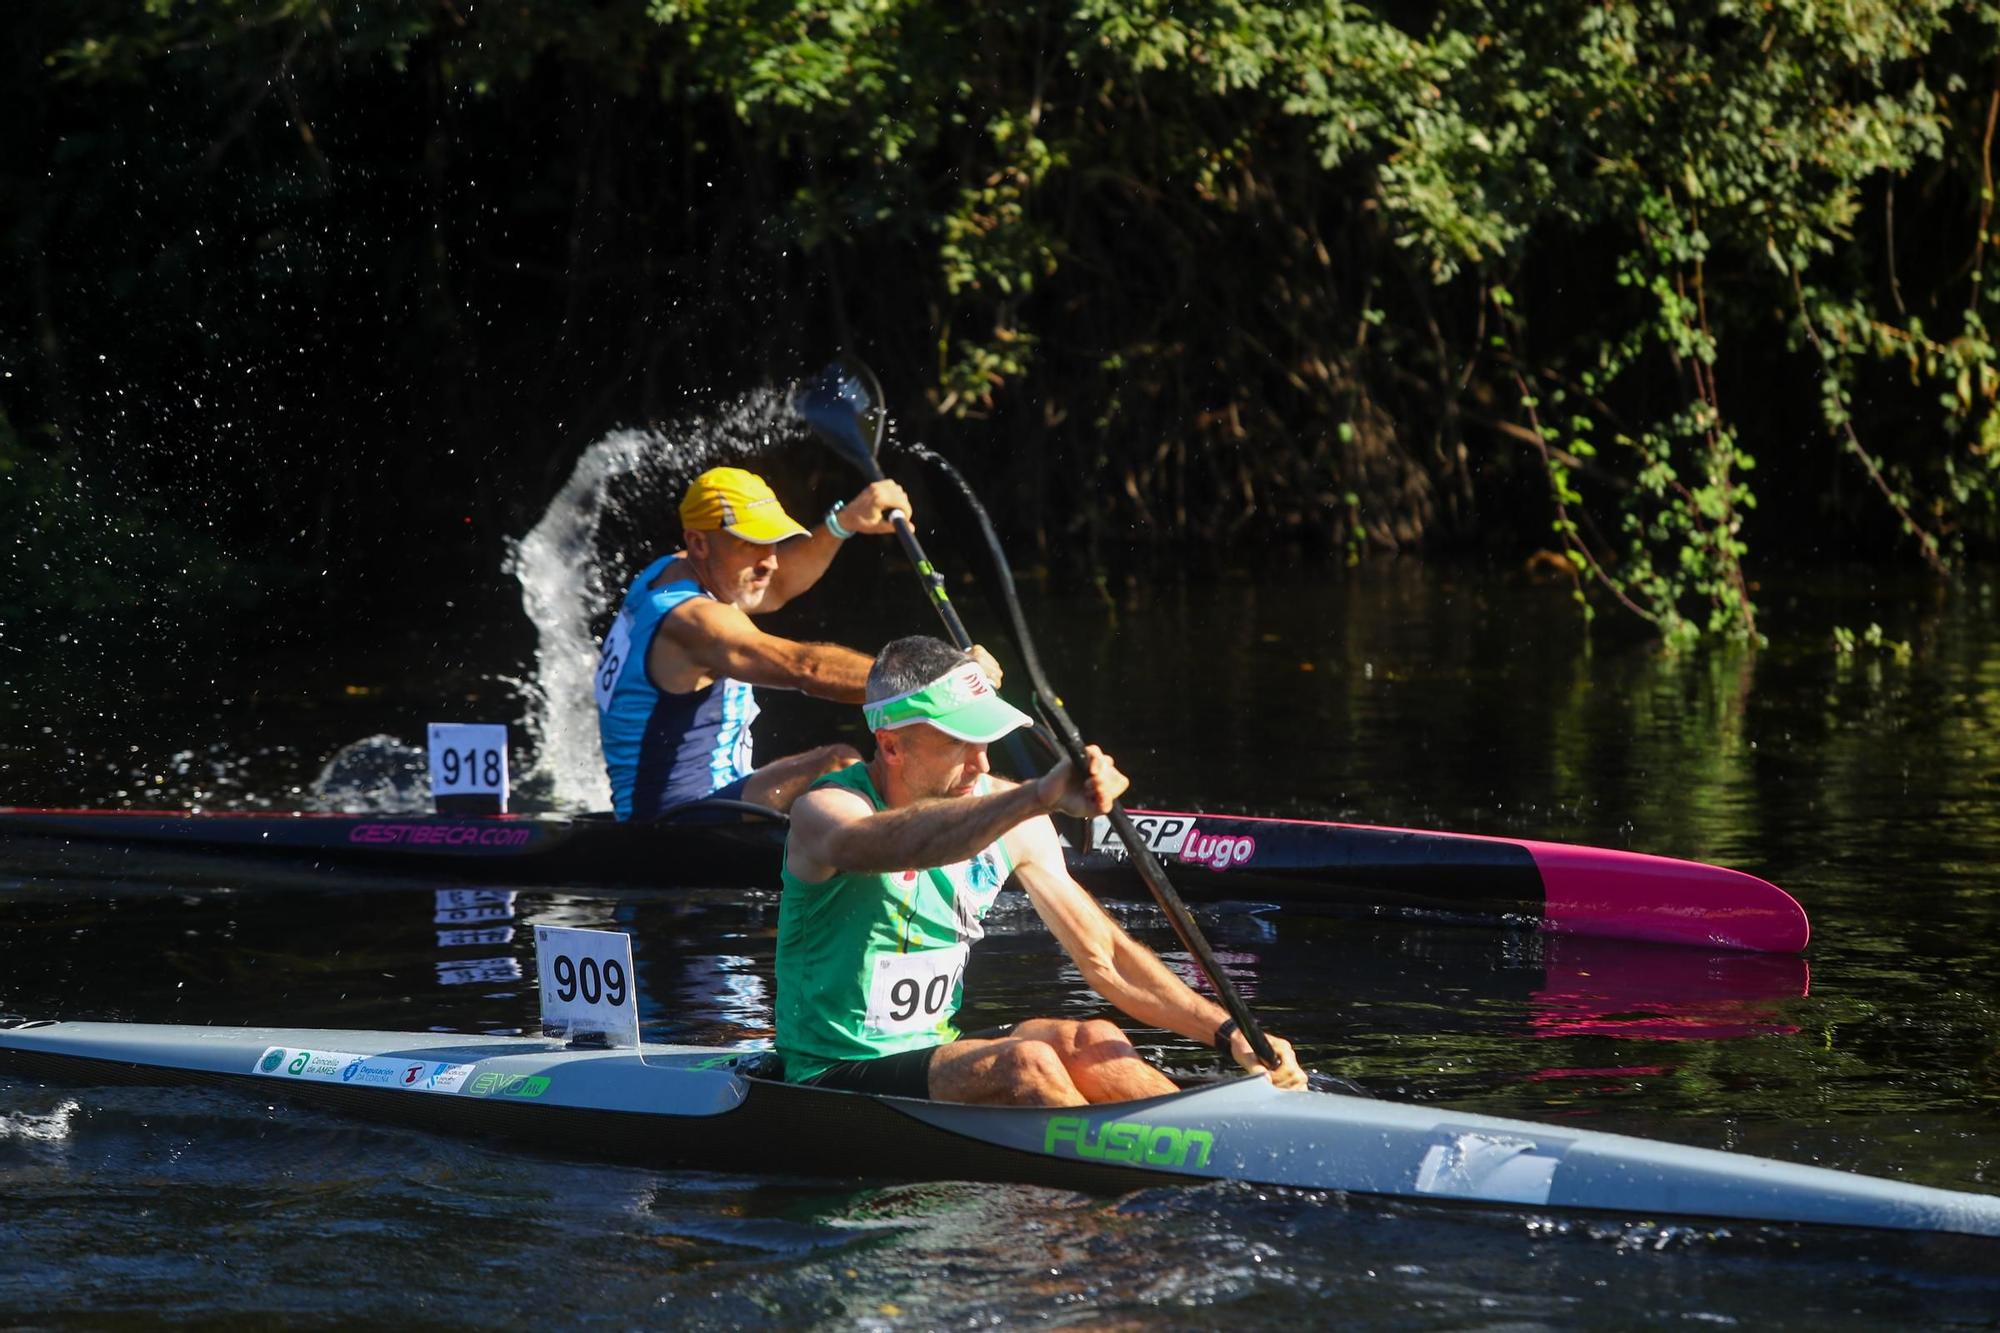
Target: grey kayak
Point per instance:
(707, 1108)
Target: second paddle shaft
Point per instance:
(932, 580)
(835, 406)
(1154, 875)
(1151, 872)
(1017, 754)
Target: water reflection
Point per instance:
(1865, 784)
(457, 909)
(1596, 988)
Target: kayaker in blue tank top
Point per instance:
(676, 670)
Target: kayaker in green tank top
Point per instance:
(890, 867)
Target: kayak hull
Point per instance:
(1303, 864)
(706, 1108)
(1560, 888)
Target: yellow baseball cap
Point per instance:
(728, 499)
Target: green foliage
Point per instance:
(1847, 644)
(1732, 139)
(1332, 270)
(1692, 140)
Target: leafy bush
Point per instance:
(1371, 274)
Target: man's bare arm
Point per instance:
(1125, 972)
(721, 640)
(801, 563)
(1116, 966)
(829, 836)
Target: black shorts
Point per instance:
(904, 1074)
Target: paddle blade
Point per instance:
(843, 405)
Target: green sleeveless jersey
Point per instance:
(874, 964)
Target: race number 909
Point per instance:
(589, 980)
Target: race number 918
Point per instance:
(596, 983)
(480, 767)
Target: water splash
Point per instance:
(28, 1127)
(220, 775)
(613, 513)
(374, 775)
(563, 588)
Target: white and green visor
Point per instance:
(961, 703)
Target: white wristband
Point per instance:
(833, 524)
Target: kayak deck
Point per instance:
(707, 1108)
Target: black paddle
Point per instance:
(844, 408)
(843, 405)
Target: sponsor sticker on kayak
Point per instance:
(508, 1085)
(1126, 1141)
(464, 835)
(1178, 838)
(364, 1071)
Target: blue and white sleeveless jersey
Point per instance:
(661, 749)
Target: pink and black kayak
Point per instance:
(1557, 887)
(1299, 864)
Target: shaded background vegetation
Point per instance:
(291, 288)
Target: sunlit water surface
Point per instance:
(1865, 783)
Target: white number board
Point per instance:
(587, 985)
(611, 662)
(912, 992)
(469, 759)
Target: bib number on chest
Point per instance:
(912, 992)
(611, 663)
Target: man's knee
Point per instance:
(1097, 1032)
(1029, 1067)
(1073, 1037)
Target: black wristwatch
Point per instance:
(1223, 1034)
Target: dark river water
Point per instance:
(1866, 782)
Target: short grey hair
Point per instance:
(910, 664)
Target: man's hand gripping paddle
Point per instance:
(843, 405)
